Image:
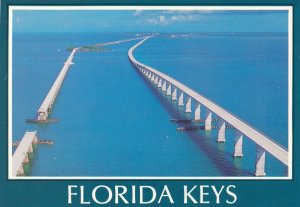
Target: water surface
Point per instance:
(113, 122)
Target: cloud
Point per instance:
(137, 13)
(179, 11)
(158, 20)
(189, 12)
(164, 20)
(226, 12)
(184, 18)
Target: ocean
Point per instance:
(114, 122)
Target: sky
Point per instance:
(149, 21)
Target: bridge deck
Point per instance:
(119, 41)
(56, 85)
(259, 138)
(22, 150)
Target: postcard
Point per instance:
(149, 105)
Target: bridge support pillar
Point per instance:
(222, 129)
(26, 159)
(30, 149)
(188, 106)
(153, 77)
(42, 116)
(20, 171)
(164, 86)
(197, 112)
(180, 102)
(260, 161)
(35, 140)
(169, 90)
(149, 76)
(174, 95)
(238, 144)
(159, 83)
(156, 80)
(208, 120)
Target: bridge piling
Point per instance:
(180, 101)
(156, 80)
(30, 149)
(198, 112)
(153, 77)
(26, 159)
(238, 144)
(188, 106)
(221, 132)
(159, 83)
(164, 86)
(260, 161)
(169, 90)
(208, 119)
(174, 94)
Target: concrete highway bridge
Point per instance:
(178, 91)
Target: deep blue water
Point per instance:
(113, 122)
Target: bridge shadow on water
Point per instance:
(224, 161)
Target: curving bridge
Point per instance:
(173, 87)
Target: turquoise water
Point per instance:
(113, 122)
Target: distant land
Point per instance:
(92, 48)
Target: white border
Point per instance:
(290, 89)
